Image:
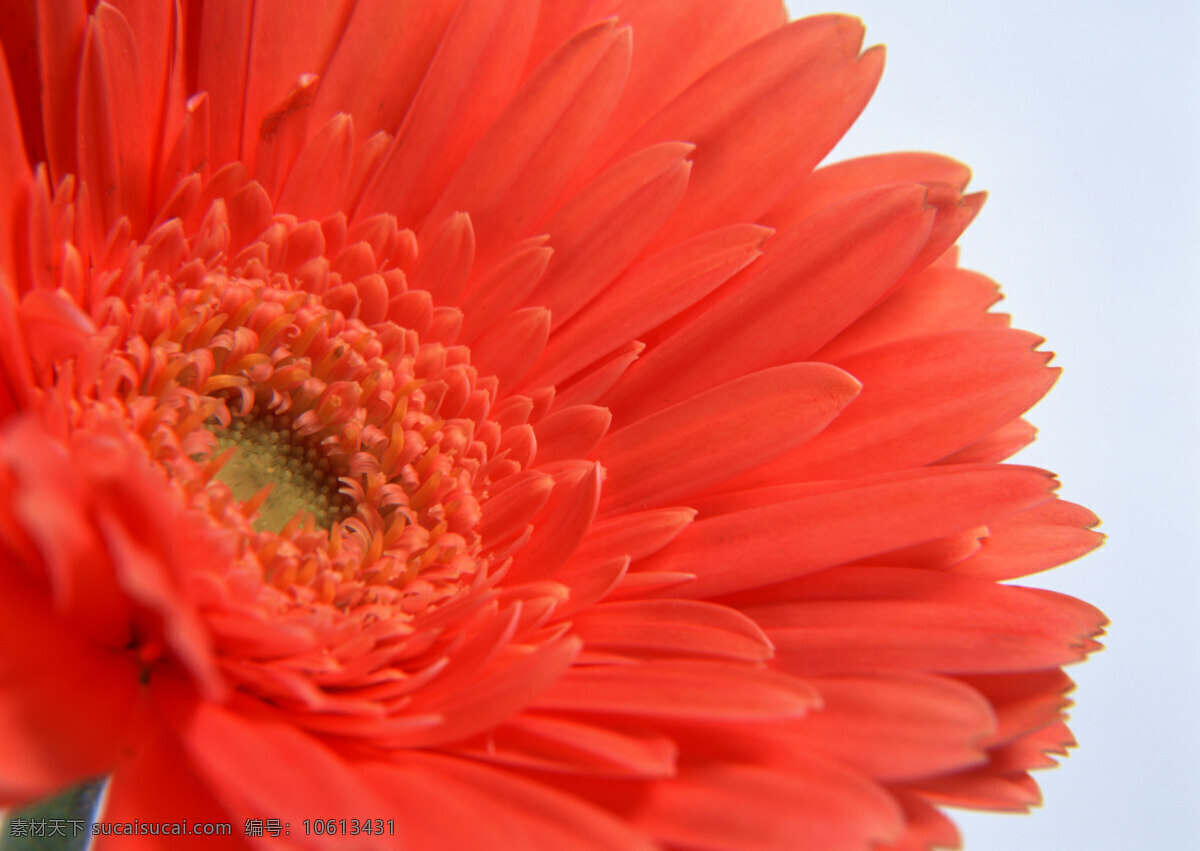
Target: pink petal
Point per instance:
(646, 628)
(520, 165)
(723, 805)
(571, 432)
(810, 284)
(552, 743)
(681, 690)
(732, 428)
(937, 300)
(473, 74)
(871, 618)
(809, 533)
(1045, 536)
(606, 225)
(922, 400)
(765, 117)
(897, 726)
(384, 40)
(482, 807)
(648, 294)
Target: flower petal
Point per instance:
(14, 169)
(810, 284)
(732, 428)
(646, 628)
(474, 72)
(545, 742)
(484, 804)
(897, 726)
(922, 400)
(681, 690)
(59, 689)
(871, 618)
(823, 528)
(1046, 535)
(520, 165)
(412, 30)
(804, 83)
(278, 780)
(648, 294)
(725, 805)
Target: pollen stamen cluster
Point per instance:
(243, 384)
(269, 461)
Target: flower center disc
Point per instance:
(268, 453)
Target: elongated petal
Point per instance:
(737, 426)
(484, 803)
(966, 384)
(691, 628)
(811, 70)
(276, 59)
(1046, 535)
(907, 618)
(939, 299)
(811, 283)
(112, 157)
(474, 72)
(553, 116)
(218, 739)
(681, 689)
(899, 726)
(604, 228)
(735, 806)
(411, 30)
(649, 294)
(794, 537)
(14, 169)
(562, 744)
(687, 42)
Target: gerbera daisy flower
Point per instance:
(468, 424)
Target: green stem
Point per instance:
(61, 823)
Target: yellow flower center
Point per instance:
(267, 453)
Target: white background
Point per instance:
(1082, 119)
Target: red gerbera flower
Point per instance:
(485, 417)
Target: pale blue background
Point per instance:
(1082, 119)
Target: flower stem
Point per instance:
(61, 823)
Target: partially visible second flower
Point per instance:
(482, 421)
